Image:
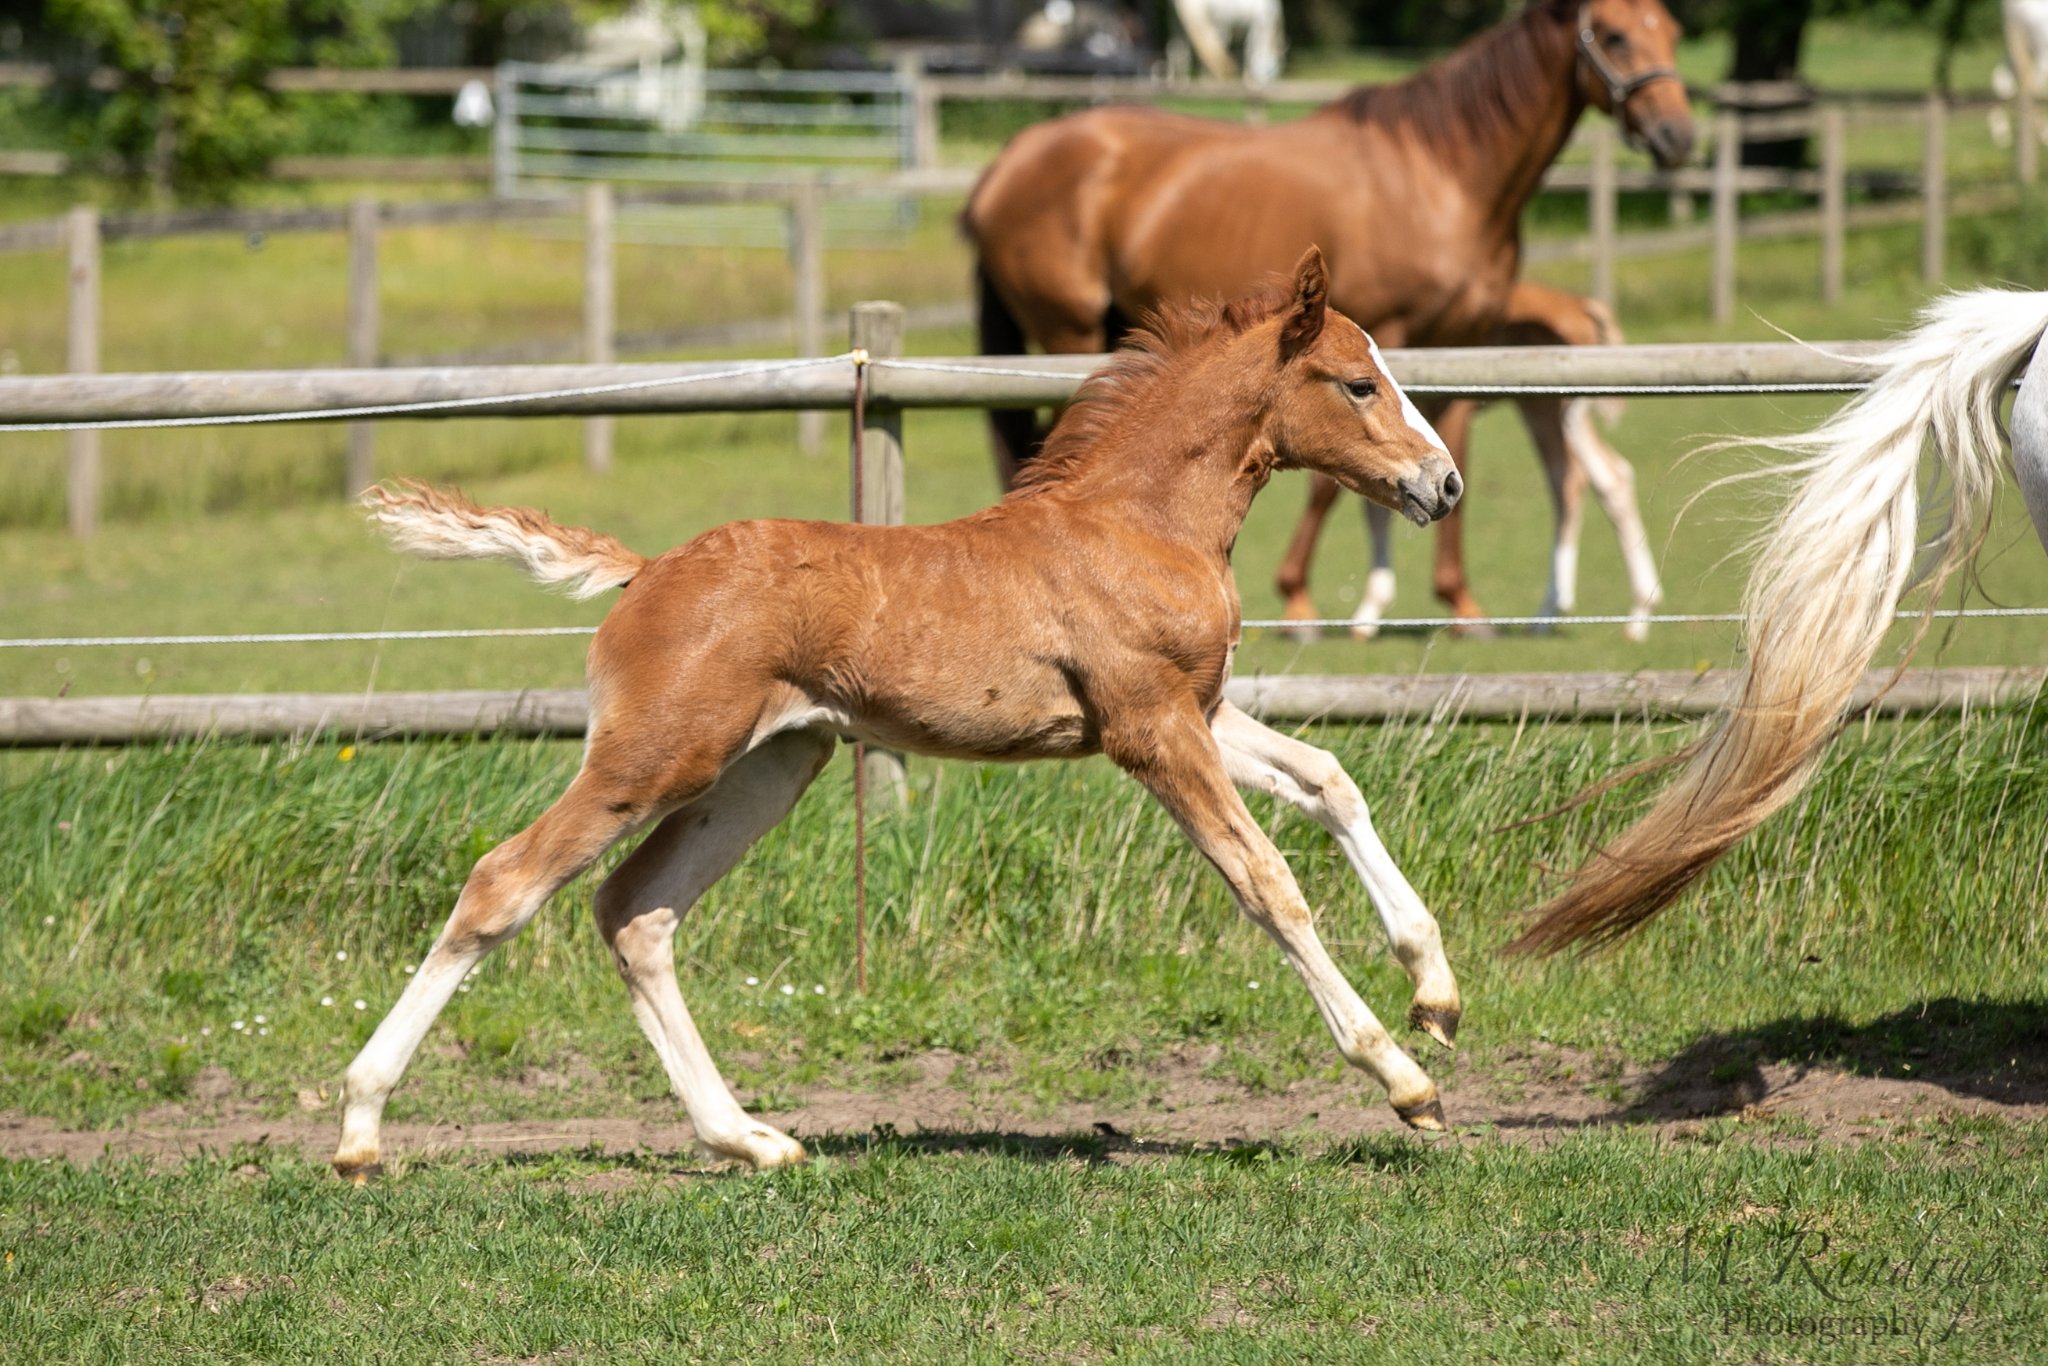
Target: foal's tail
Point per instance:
(1828, 578)
(441, 524)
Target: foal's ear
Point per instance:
(1311, 303)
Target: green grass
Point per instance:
(1048, 917)
(899, 1249)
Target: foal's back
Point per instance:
(998, 636)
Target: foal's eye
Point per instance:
(1361, 388)
(1615, 42)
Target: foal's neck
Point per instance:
(1181, 465)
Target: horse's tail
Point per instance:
(1828, 578)
(1014, 430)
(441, 524)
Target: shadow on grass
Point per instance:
(1991, 1050)
(1108, 1144)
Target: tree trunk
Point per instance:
(1768, 36)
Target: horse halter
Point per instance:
(1620, 85)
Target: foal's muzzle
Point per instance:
(1430, 493)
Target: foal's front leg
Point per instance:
(1177, 758)
(1258, 757)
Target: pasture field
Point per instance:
(1082, 1109)
(1079, 1108)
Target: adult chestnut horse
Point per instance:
(1092, 611)
(1415, 190)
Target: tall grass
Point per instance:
(1048, 909)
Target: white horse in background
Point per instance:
(1212, 25)
(639, 44)
(2019, 76)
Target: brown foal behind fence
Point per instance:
(1091, 611)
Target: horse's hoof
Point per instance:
(761, 1148)
(1365, 630)
(1439, 1022)
(1475, 630)
(358, 1173)
(1427, 1115)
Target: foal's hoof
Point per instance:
(1427, 1115)
(358, 1173)
(1439, 1022)
(761, 1148)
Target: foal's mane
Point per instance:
(1478, 91)
(1162, 339)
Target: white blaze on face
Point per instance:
(1416, 421)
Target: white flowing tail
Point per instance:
(1829, 575)
(441, 524)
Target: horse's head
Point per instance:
(1337, 410)
(1627, 50)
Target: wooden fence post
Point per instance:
(1601, 209)
(878, 330)
(82, 463)
(924, 111)
(1834, 193)
(807, 263)
(1727, 167)
(1934, 191)
(600, 313)
(360, 469)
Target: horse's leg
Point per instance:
(1174, 754)
(639, 906)
(1545, 420)
(1614, 485)
(1379, 580)
(1311, 779)
(504, 890)
(1453, 423)
(1292, 580)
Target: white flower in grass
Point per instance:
(1251, 986)
(408, 969)
(261, 1020)
(341, 955)
(361, 1004)
(237, 1025)
(788, 990)
(205, 1030)
(49, 920)
(463, 988)
(326, 1000)
(264, 1030)
(818, 990)
(751, 981)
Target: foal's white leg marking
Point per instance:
(504, 890)
(1310, 779)
(1379, 580)
(1198, 793)
(1614, 484)
(640, 905)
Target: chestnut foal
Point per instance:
(1091, 611)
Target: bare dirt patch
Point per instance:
(1533, 1098)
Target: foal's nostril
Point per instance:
(1454, 487)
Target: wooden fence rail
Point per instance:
(989, 381)
(32, 722)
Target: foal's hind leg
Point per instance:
(1174, 754)
(504, 890)
(1310, 779)
(640, 905)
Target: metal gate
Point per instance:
(679, 124)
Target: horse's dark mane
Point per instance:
(1477, 92)
(1148, 353)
